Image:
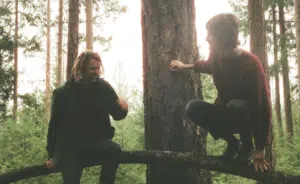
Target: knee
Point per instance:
(112, 147)
(238, 103)
(192, 108)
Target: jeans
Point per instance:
(223, 121)
(74, 159)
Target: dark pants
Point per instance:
(74, 159)
(223, 121)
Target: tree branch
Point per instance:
(192, 160)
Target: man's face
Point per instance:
(211, 41)
(92, 70)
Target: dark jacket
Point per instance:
(243, 77)
(80, 115)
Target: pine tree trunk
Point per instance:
(16, 68)
(168, 32)
(277, 86)
(258, 47)
(89, 24)
(297, 23)
(72, 35)
(59, 74)
(48, 94)
(257, 32)
(285, 72)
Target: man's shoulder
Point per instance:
(61, 89)
(103, 82)
(251, 57)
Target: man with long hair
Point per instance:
(243, 102)
(80, 130)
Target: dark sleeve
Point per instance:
(53, 125)
(114, 108)
(202, 65)
(259, 100)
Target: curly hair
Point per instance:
(225, 27)
(82, 61)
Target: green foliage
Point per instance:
(30, 16)
(29, 44)
(208, 89)
(240, 8)
(104, 13)
(6, 69)
(33, 108)
(6, 86)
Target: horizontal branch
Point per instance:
(191, 160)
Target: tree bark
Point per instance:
(285, 72)
(258, 46)
(257, 32)
(73, 39)
(297, 24)
(89, 24)
(48, 87)
(59, 74)
(168, 32)
(175, 159)
(277, 86)
(16, 65)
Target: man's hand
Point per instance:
(50, 164)
(259, 161)
(123, 104)
(177, 66)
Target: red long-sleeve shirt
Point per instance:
(242, 77)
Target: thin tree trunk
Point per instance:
(277, 86)
(168, 32)
(285, 72)
(16, 68)
(72, 35)
(258, 46)
(59, 77)
(89, 24)
(48, 64)
(297, 24)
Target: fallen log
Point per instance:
(192, 160)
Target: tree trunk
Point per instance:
(89, 24)
(48, 87)
(258, 47)
(59, 74)
(168, 32)
(72, 35)
(277, 87)
(297, 23)
(285, 72)
(16, 68)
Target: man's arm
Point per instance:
(54, 139)
(118, 108)
(259, 96)
(202, 66)
(198, 66)
(52, 127)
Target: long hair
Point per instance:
(82, 61)
(225, 27)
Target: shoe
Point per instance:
(231, 151)
(244, 156)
